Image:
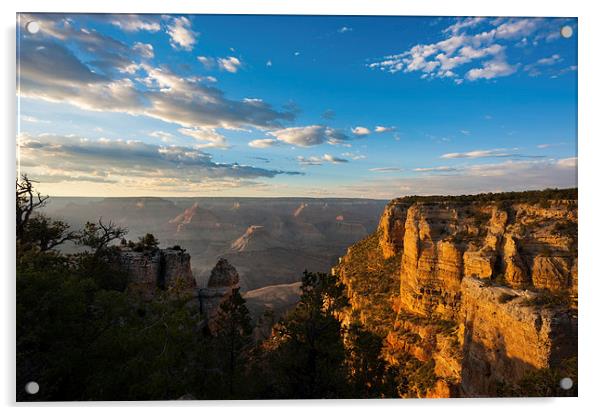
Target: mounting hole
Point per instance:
(32, 27)
(566, 383)
(32, 388)
(566, 32)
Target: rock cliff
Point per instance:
(157, 269)
(223, 281)
(480, 289)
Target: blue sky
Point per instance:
(324, 106)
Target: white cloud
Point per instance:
(52, 72)
(181, 34)
(570, 162)
(491, 69)
(309, 135)
(162, 135)
(463, 24)
(317, 161)
(268, 63)
(208, 137)
(535, 68)
(360, 130)
(207, 62)
(385, 169)
(345, 29)
(500, 152)
(263, 143)
(435, 169)
(354, 156)
(144, 49)
(135, 23)
(33, 120)
(381, 129)
(462, 54)
(230, 64)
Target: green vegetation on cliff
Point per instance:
(529, 196)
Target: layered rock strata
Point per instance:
(474, 283)
(157, 269)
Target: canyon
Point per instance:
(470, 295)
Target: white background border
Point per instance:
(590, 203)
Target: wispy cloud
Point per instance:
(345, 29)
(435, 169)
(499, 152)
(494, 177)
(385, 169)
(263, 143)
(381, 129)
(534, 69)
(319, 160)
(208, 137)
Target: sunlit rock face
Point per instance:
(469, 273)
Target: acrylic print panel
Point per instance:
(258, 207)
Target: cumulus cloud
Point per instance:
(466, 51)
(491, 69)
(263, 143)
(319, 160)
(181, 34)
(308, 136)
(230, 64)
(359, 130)
(135, 23)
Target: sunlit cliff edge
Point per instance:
(472, 293)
